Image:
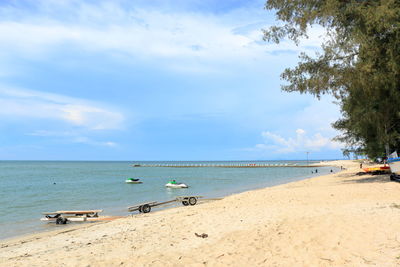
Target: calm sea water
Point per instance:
(28, 188)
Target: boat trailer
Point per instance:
(146, 207)
(61, 217)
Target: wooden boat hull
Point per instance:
(83, 219)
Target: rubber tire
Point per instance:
(61, 220)
(192, 201)
(146, 208)
(185, 203)
(140, 209)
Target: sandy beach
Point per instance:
(335, 220)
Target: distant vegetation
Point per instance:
(359, 65)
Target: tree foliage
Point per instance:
(359, 64)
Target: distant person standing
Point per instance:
(360, 165)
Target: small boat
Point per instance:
(174, 184)
(62, 217)
(394, 163)
(377, 170)
(132, 181)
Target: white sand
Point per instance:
(334, 220)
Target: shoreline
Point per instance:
(77, 226)
(158, 209)
(34, 226)
(329, 220)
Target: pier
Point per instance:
(224, 165)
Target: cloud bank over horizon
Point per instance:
(302, 142)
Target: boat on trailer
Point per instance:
(63, 216)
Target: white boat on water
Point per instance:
(133, 181)
(174, 184)
(394, 163)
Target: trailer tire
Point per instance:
(140, 209)
(146, 208)
(192, 201)
(185, 203)
(61, 220)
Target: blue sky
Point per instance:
(153, 80)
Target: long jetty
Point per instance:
(224, 165)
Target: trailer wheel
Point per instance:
(140, 209)
(61, 220)
(192, 201)
(146, 208)
(185, 203)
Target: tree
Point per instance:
(359, 65)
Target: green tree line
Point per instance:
(359, 65)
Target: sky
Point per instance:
(154, 80)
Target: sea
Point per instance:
(28, 188)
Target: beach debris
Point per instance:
(394, 205)
(203, 235)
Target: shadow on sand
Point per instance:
(382, 178)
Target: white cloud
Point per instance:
(78, 112)
(88, 141)
(73, 137)
(300, 143)
(46, 133)
(195, 39)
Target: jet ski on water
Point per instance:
(133, 181)
(174, 184)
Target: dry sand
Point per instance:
(334, 220)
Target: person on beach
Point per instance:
(360, 165)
